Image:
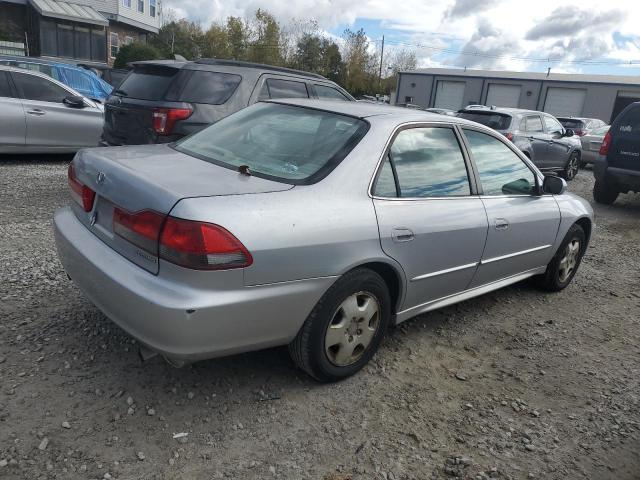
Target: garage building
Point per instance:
(592, 96)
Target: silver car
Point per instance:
(310, 224)
(591, 143)
(41, 115)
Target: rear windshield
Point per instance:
(214, 88)
(629, 122)
(291, 144)
(571, 123)
(147, 83)
(497, 121)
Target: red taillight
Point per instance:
(606, 143)
(202, 246)
(579, 132)
(509, 136)
(165, 118)
(82, 194)
(140, 228)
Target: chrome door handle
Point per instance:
(501, 224)
(36, 111)
(401, 235)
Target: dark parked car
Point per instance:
(581, 126)
(538, 135)
(161, 101)
(617, 167)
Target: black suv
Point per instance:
(161, 101)
(617, 168)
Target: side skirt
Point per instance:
(466, 294)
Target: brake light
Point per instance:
(579, 132)
(165, 118)
(82, 194)
(509, 136)
(140, 228)
(201, 246)
(606, 143)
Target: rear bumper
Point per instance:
(623, 179)
(179, 320)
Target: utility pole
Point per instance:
(381, 57)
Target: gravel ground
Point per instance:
(516, 384)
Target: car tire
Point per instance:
(603, 193)
(344, 316)
(572, 167)
(564, 264)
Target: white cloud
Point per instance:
(509, 28)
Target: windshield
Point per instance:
(296, 145)
(497, 121)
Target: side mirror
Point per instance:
(554, 185)
(74, 101)
(569, 132)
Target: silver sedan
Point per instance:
(591, 143)
(310, 224)
(39, 114)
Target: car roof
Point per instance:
(508, 110)
(369, 110)
(212, 62)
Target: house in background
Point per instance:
(82, 31)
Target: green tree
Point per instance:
(216, 42)
(265, 45)
(134, 52)
(238, 34)
(180, 37)
(358, 71)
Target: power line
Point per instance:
(548, 59)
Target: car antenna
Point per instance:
(244, 170)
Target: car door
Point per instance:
(522, 223)
(559, 146)
(12, 116)
(538, 138)
(52, 123)
(429, 217)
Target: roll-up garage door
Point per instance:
(449, 95)
(565, 101)
(503, 95)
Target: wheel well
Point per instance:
(585, 223)
(390, 277)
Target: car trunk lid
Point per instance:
(153, 178)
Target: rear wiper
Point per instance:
(117, 91)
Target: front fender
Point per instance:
(572, 209)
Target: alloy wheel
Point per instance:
(352, 328)
(569, 260)
(573, 167)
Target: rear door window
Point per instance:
(329, 93)
(147, 83)
(277, 88)
(32, 87)
(533, 123)
(425, 162)
(213, 88)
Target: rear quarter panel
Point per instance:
(296, 234)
